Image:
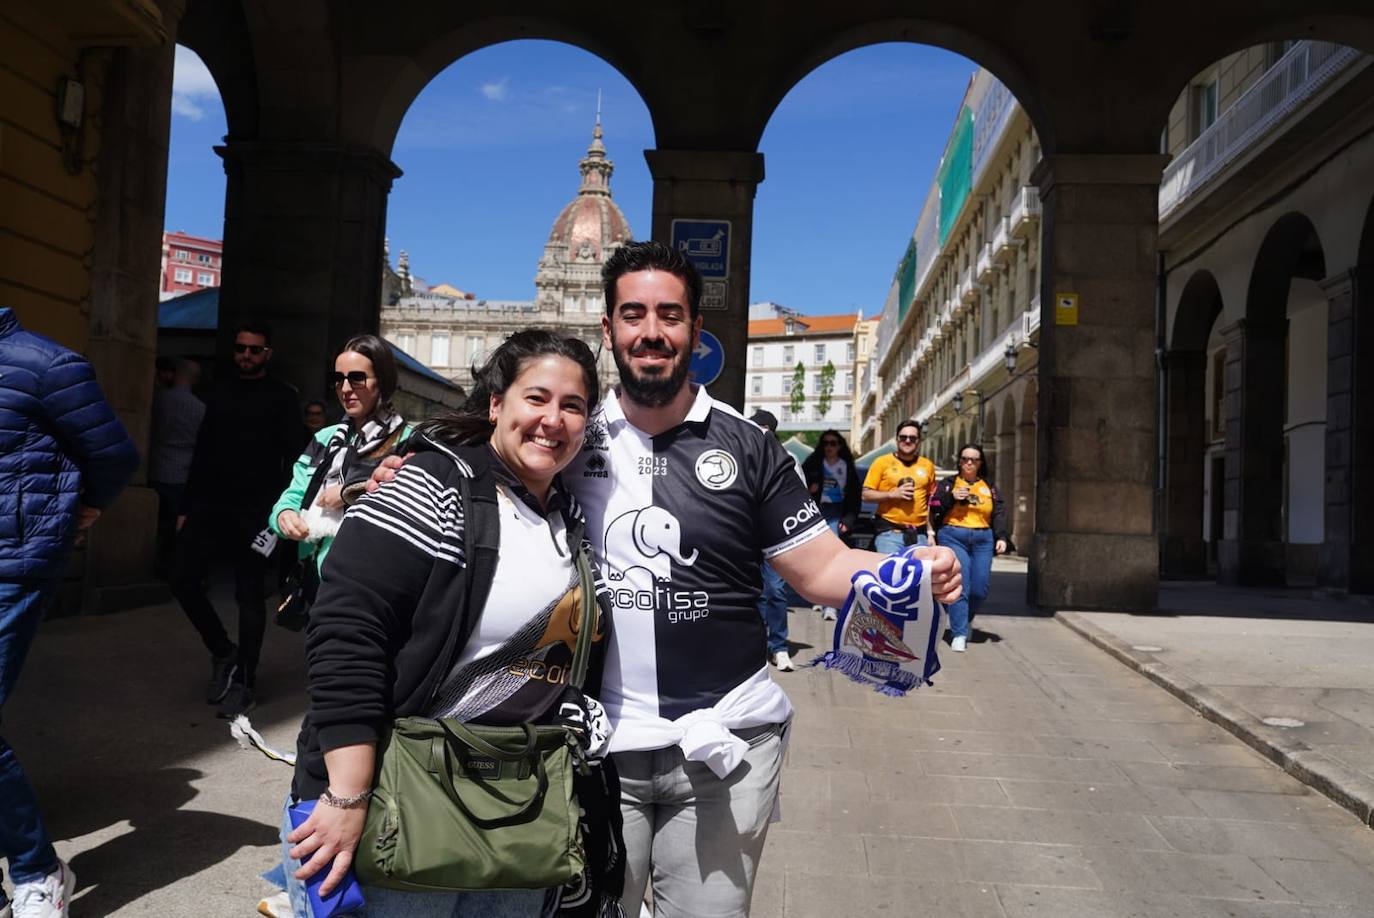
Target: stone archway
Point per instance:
(1184, 544)
(1254, 547)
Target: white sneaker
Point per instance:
(782, 661)
(828, 614)
(48, 897)
(959, 644)
(274, 906)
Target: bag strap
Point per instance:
(591, 613)
(461, 734)
(481, 544)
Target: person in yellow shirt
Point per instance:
(900, 483)
(968, 516)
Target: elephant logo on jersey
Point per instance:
(650, 539)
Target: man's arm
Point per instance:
(821, 569)
(90, 433)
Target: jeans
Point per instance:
(773, 608)
(208, 537)
(974, 549)
(890, 541)
(699, 838)
(397, 903)
(23, 839)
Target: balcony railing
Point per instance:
(968, 288)
(1304, 69)
(1025, 211)
(986, 266)
(1001, 240)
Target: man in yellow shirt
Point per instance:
(900, 483)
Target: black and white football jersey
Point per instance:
(680, 523)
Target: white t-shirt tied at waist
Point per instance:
(704, 735)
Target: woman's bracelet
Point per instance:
(345, 803)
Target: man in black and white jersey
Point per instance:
(684, 498)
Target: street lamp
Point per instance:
(1009, 357)
(958, 402)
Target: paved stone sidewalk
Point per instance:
(1038, 776)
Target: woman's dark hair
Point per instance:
(471, 423)
(984, 470)
(383, 363)
(650, 256)
(817, 456)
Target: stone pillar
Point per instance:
(1095, 545)
(303, 231)
(1005, 470)
(1183, 552)
(1251, 551)
(1023, 508)
(1348, 550)
(714, 185)
(132, 177)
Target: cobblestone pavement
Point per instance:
(1038, 776)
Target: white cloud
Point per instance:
(191, 84)
(496, 90)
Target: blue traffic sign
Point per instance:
(706, 244)
(708, 359)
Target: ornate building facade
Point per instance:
(451, 333)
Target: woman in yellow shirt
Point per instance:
(968, 516)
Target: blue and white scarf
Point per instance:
(886, 633)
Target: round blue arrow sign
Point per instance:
(708, 359)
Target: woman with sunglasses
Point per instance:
(969, 517)
(310, 509)
(834, 483)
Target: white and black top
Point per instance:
(680, 523)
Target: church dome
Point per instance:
(592, 224)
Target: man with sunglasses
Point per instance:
(250, 437)
(900, 483)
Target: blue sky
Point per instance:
(490, 149)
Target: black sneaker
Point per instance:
(222, 670)
(238, 700)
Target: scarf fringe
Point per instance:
(241, 729)
(883, 677)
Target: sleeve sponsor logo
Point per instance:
(806, 514)
(716, 469)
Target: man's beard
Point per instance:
(652, 391)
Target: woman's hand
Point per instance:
(1000, 547)
(960, 492)
(331, 498)
(292, 525)
(329, 834)
(386, 471)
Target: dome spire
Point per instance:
(596, 169)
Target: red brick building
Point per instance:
(190, 263)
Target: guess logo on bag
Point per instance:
(482, 765)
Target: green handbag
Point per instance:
(460, 807)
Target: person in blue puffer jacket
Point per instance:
(64, 457)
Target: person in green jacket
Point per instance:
(310, 509)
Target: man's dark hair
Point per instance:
(650, 256)
(383, 362)
(256, 328)
(765, 419)
(909, 422)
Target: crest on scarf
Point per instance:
(886, 633)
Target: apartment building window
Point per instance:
(756, 385)
(1204, 106)
(849, 352)
(815, 384)
(844, 411)
(406, 343)
(820, 355)
(820, 415)
(205, 279)
(183, 275)
(438, 350)
(848, 384)
(758, 356)
(203, 259)
(788, 354)
(183, 255)
(474, 348)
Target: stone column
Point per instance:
(1183, 553)
(1005, 469)
(132, 177)
(303, 230)
(714, 185)
(1095, 545)
(1251, 550)
(1023, 510)
(1348, 549)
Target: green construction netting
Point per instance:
(956, 172)
(906, 280)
